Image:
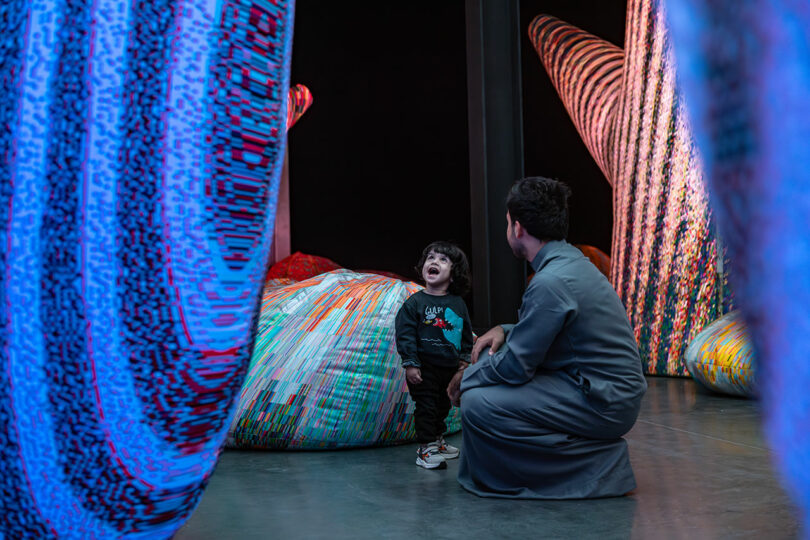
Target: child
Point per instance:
(434, 339)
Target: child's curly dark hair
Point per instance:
(459, 272)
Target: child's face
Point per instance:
(436, 270)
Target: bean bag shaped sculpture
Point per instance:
(325, 372)
(720, 357)
(385, 273)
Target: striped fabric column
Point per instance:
(626, 107)
(141, 159)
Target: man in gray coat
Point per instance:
(544, 408)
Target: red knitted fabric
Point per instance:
(300, 266)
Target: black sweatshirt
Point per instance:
(434, 330)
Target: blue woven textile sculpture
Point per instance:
(142, 143)
(744, 66)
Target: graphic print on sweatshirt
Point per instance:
(449, 322)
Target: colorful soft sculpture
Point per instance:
(744, 67)
(300, 266)
(141, 148)
(664, 258)
(325, 372)
(299, 100)
(720, 357)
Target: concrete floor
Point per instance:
(702, 467)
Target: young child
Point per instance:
(434, 338)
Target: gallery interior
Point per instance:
(215, 210)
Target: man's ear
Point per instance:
(518, 229)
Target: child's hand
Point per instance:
(413, 374)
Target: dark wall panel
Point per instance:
(379, 164)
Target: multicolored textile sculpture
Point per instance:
(325, 372)
(664, 257)
(382, 273)
(300, 266)
(720, 357)
(744, 66)
(299, 100)
(141, 145)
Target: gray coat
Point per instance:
(543, 417)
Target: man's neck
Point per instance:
(533, 249)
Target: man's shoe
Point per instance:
(428, 457)
(447, 451)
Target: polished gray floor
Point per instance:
(702, 467)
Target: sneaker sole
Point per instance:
(425, 465)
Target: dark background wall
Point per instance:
(379, 165)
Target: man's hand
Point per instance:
(413, 374)
(493, 339)
(454, 389)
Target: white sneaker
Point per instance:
(428, 457)
(447, 451)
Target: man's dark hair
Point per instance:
(541, 206)
(460, 271)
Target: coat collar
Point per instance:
(547, 253)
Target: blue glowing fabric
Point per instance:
(744, 68)
(142, 143)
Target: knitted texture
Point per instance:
(624, 103)
(142, 143)
(720, 357)
(325, 372)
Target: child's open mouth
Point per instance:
(432, 271)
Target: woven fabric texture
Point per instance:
(325, 372)
(299, 100)
(142, 146)
(720, 357)
(300, 266)
(625, 105)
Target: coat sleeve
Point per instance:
(507, 328)
(547, 305)
(405, 327)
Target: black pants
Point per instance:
(432, 403)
